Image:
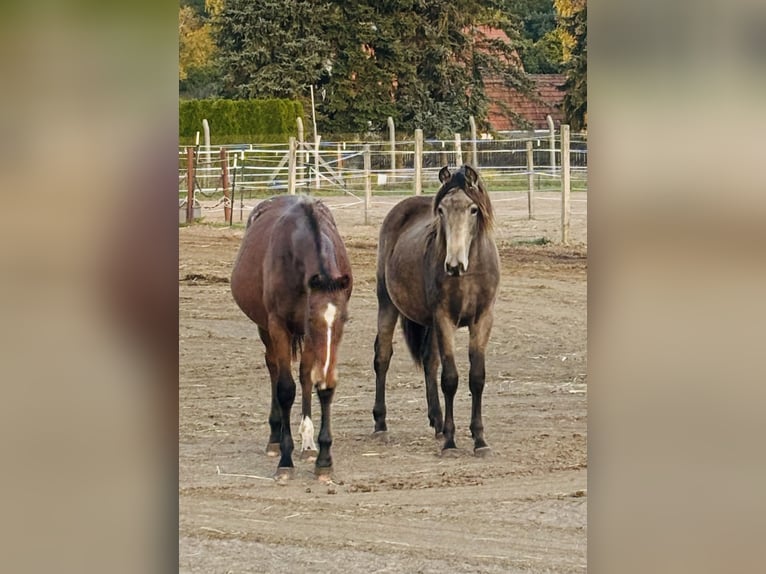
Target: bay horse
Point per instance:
(438, 269)
(292, 277)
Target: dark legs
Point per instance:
(431, 368)
(324, 460)
(445, 334)
(275, 416)
(278, 350)
(479, 335)
(387, 316)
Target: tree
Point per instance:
(270, 48)
(196, 51)
(195, 45)
(540, 46)
(573, 30)
(423, 63)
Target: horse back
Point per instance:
(276, 257)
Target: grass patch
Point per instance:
(536, 241)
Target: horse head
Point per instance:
(326, 317)
(463, 212)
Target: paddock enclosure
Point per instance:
(393, 506)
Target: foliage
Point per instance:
(195, 44)
(423, 63)
(271, 48)
(540, 46)
(237, 121)
(573, 29)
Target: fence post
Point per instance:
(458, 151)
(392, 143)
(418, 161)
(552, 140)
(530, 179)
(190, 186)
(316, 161)
(565, 184)
(227, 202)
(367, 183)
(474, 145)
(300, 168)
(291, 166)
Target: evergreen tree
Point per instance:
(423, 63)
(270, 48)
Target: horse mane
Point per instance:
(475, 190)
(322, 281)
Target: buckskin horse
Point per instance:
(438, 268)
(292, 277)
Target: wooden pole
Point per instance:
(418, 161)
(234, 189)
(474, 145)
(316, 161)
(241, 187)
(291, 167)
(190, 186)
(227, 196)
(392, 145)
(367, 183)
(531, 180)
(458, 151)
(565, 184)
(300, 169)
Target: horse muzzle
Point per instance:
(455, 267)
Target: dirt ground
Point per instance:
(396, 506)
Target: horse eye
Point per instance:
(474, 210)
(440, 211)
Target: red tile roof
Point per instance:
(546, 86)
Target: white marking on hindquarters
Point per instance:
(306, 431)
(329, 317)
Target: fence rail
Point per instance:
(520, 162)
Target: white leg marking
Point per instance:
(329, 317)
(306, 431)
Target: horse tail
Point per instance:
(418, 338)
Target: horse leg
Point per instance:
(275, 416)
(324, 460)
(431, 368)
(479, 335)
(445, 333)
(281, 345)
(387, 316)
(306, 430)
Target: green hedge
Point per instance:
(239, 121)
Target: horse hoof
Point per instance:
(273, 449)
(450, 453)
(482, 452)
(323, 473)
(283, 474)
(380, 436)
(308, 455)
(439, 436)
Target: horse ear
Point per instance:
(470, 175)
(444, 174)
